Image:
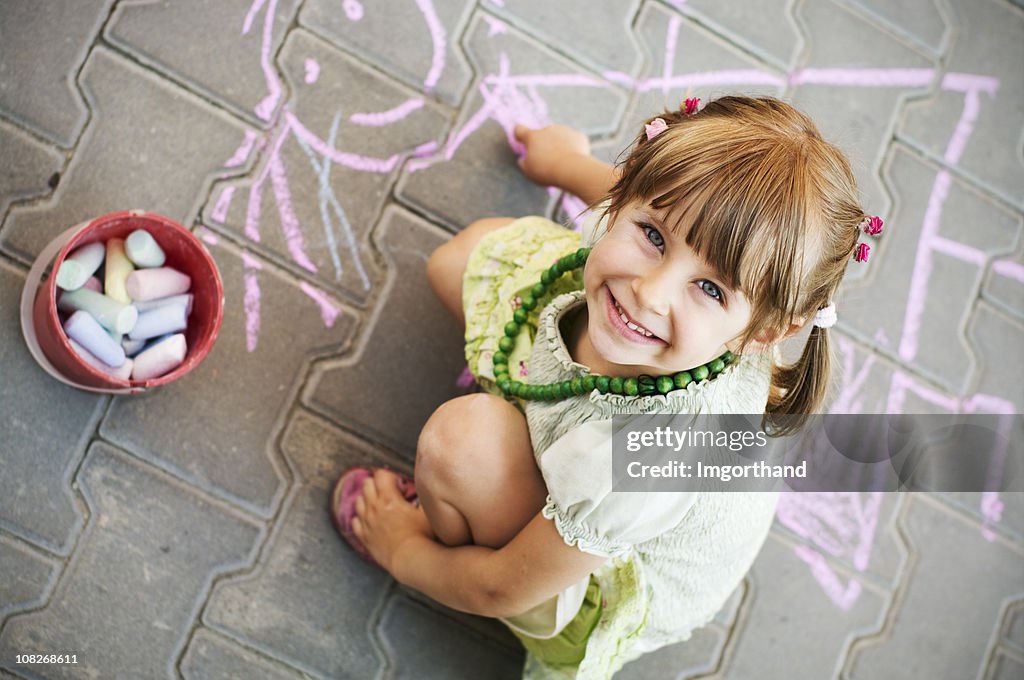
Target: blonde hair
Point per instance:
(774, 210)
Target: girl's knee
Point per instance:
(459, 436)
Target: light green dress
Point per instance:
(674, 558)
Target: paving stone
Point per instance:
(960, 582)
(161, 167)
(217, 426)
(51, 38)
(1014, 628)
(771, 628)
(766, 29)
(310, 598)
(857, 118)
(217, 49)
(29, 167)
(688, 60)
(856, 530)
(212, 657)
(1007, 666)
(996, 339)
(602, 41)
(421, 49)
(938, 301)
(146, 557)
(422, 644)
(28, 577)
(987, 45)
(410, 356)
(475, 175)
(1004, 285)
(698, 655)
(921, 21)
(42, 435)
(313, 219)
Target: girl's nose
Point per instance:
(651, 292)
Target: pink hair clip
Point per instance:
(655, 128)
(861, 252)
(872, 225)
(690, 106)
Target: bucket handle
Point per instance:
(28, 328)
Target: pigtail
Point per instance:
(798, 390)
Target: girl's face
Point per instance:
(654, 305)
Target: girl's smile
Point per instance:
(625, 324)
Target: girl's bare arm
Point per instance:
(559, 156)
(533, 567)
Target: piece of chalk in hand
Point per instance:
(159, 321)
(123, 373)
(149, 284)
(161, 358)
(81, 327)
(77, 267)
(112, 315)
(143, 249)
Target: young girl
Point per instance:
(725, 230)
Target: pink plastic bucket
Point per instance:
(40, 323)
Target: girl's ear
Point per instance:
(768, 337)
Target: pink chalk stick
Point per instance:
(93, 284)
(159, 321)
(121, 373)
(90, 334)
(150, 284)
(161, 358)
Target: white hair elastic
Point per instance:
(826, 317)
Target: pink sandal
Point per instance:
(343, 504)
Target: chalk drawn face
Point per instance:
(678, 312)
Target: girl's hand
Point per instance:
(547, 151)
(385, 519)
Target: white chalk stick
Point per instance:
(185, 299)
(160, 359)
(81, 327)
(143, 249)
(150, 284)
(159, 321)
(93, 284)
(123, 373)
(77, 267)
(132, 347)
(112, 315)
(116, 269)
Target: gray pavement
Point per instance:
(321, 149)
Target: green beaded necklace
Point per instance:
(642, 385)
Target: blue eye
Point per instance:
(711, 290)
(653, 235)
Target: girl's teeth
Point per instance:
(630, 324)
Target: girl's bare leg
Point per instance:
(448, 263)
(476, 476)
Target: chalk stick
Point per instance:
(132, 347)
(81, 327)
(150, 284)
(159, 321)
(161, 358)
(112, 315)
(185, 299)
(93, 284)
(123, 373)
(116, 269)
(143, 249)
(77, 267)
